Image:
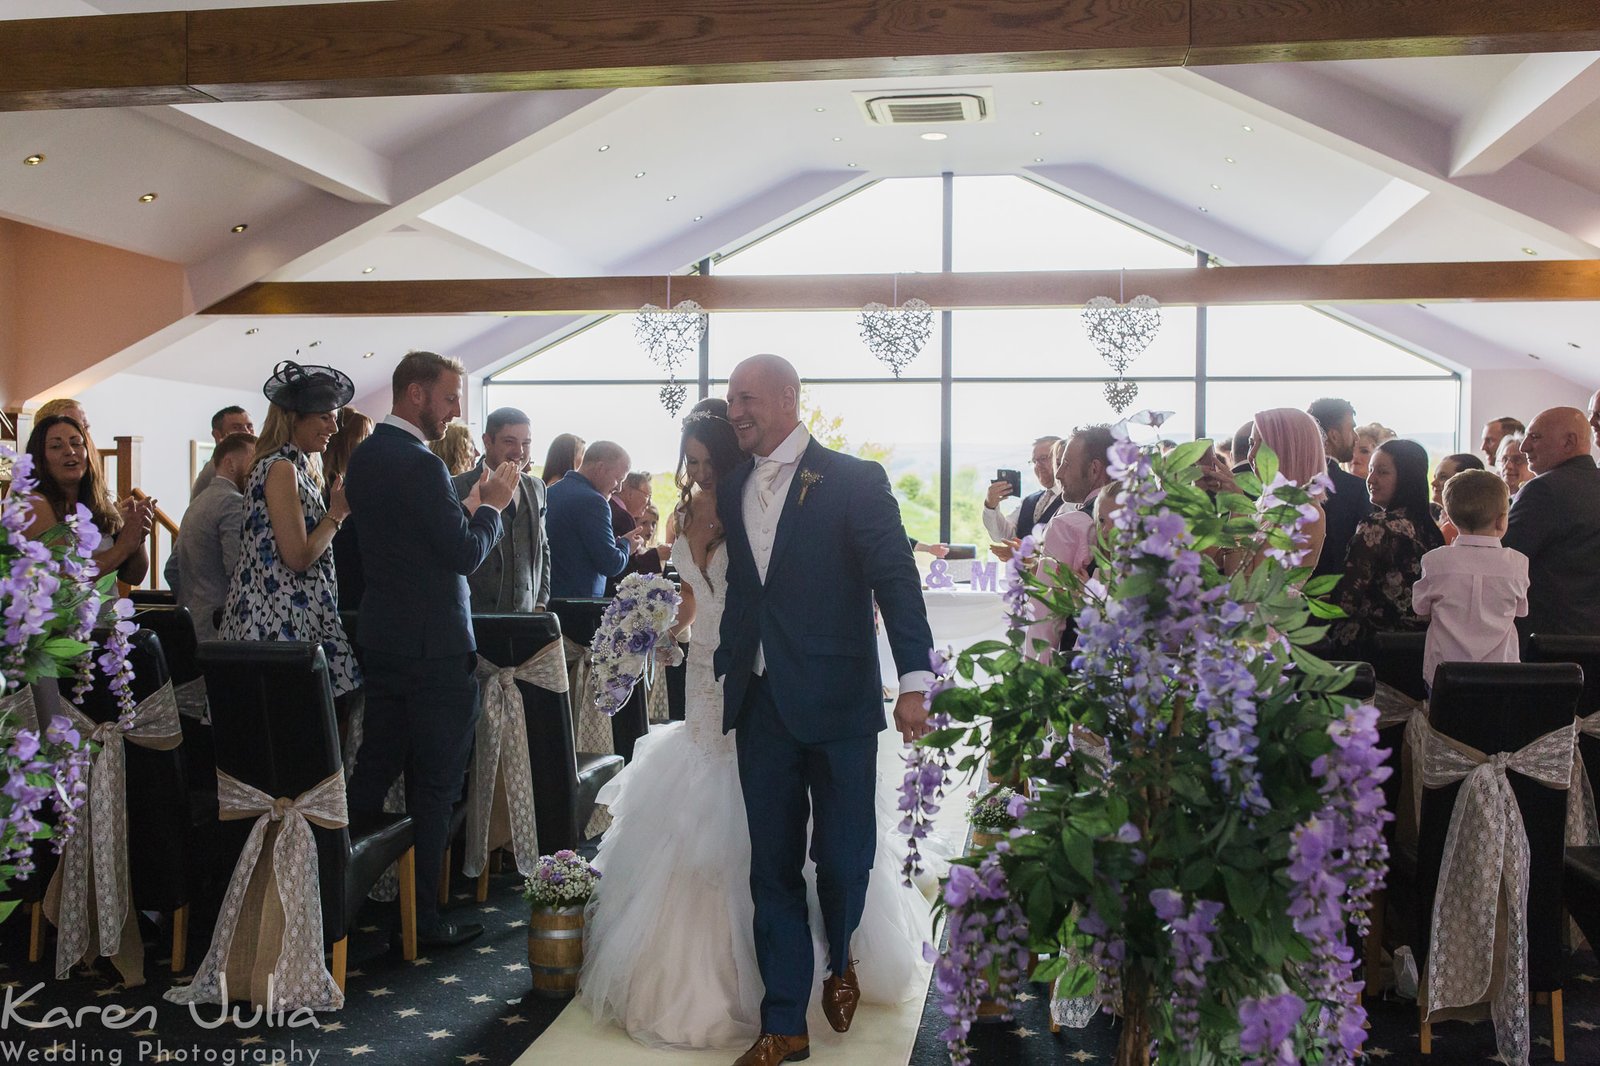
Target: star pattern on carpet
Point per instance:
(1586, 1025)
(438, 1034)
(379, 992)
(331, 1027)
(1022, 1031)
(472, 1058)
(487, 949)
(480, 998)
(520, 922)
(113, 990)
(409, 1012)
(422, 960)
(1083, 1056)
(359, 1049)
(1589, 977)
(451, 979)
(513, 967)
(1378, 1052)
(513, 1019)
(490, 910)
(253, 1038)
(1024, 997)
(353, 973)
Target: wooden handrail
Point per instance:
(163, 521)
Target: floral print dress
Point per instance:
(267, 600)
(1383, 563)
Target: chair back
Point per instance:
(1585, 651)
(1397, 661)
(174, 626)
(1363, 685)
(1503, 707)
(160, 841)
(512, 639)
(580, 619)
(153, 597)
(273, 724)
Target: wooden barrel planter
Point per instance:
(984, 839)
(555, 950)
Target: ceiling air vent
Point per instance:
(901, 109)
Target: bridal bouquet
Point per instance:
(634, 625)
(50, 602)
(1205, 821)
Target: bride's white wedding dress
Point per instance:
(669, 951)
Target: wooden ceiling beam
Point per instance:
(1553, 280)
(410, 47)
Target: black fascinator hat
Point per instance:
(308, 390)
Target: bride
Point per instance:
(670, 951)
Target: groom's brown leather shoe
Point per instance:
(840, 994)
(771, 1049)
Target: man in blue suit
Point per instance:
(418, 544)
(584, 546)
(813, 537)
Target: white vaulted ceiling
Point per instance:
(1470, 158)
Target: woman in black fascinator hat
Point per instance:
(284, 586)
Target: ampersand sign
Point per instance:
(939, 575)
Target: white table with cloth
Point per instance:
(959, 618)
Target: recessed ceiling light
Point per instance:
(1038, 133)
(33, 160)
(1248, 129)
(852, 164)
(368, 270)
(241, 227)
(604, 148)
(1215, 186)
(1529, 251)
(368, 355)
(697, 218)
(1574, 344)
(1036, 103)
(147, 198)
(836, 140)
(1202, 207)
(671, 198)
(252, 331)
(935, 136)
(1038, 159)
(640, 174)
(1227, 159)
(819, 110)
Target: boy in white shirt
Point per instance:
(1474, 589)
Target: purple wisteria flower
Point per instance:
(1192, 952)
(1267, 1025)
(927, 772)
(987, 956)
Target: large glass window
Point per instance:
(1014, 374)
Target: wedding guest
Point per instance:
(1449, 467)
(64, 405)
(1473, 591)
(1241, 448)
(67, 479)
(1555, 522)
(206, 551)
(585, 549)
(1368, 437)
(514, 578)
(1347, 502)
(565, 453)
(284, 587)
(624, 519)
(1512, 463)
(418, 543)
(1494, 431)
(1036, 508)
(1385, 557)
(354, 427)
(455, 448)
(1069, 536)
(228, 421)
(1295, 439)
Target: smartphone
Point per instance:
(1013, 476)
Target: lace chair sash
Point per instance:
(1480, 914)
(88, 897)
(1583, 827)
(275, 907)
(192, 701)
(20, 709)
(500, 802)
(591, 730)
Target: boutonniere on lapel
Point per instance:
(808, 478)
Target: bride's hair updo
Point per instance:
(707, 423)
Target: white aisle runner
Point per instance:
(879, 1036)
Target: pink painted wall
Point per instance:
(67, 304)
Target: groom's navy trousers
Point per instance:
(777, 773)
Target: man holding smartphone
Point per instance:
(1039, 507)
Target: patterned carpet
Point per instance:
(473, 1005)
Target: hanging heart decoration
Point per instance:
(668, 335)
(1120, 332)
(896, 335)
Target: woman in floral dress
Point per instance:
(284, 586)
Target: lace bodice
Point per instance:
(702, 691)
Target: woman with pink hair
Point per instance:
(1296, 439)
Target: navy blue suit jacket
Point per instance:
(583, 544)
(1345, 507)
(417, 548)
(831, 557)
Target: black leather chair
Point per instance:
(1397, 661)
(162, 852)
(1502, 707)
(153, 597)
(565, 781)
(174, 625)
(1585, 651)
(579, 620)
(272, 716)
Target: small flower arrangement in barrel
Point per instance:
(994, 815)
(634, 626)
(558, 890)
(1204, 825)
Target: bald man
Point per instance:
(1555, 522)
(1594, 412)
(813, 539)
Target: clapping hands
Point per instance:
(494, 489)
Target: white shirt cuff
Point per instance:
(916, 681)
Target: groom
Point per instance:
(813, 536)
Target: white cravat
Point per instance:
(764, 495)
